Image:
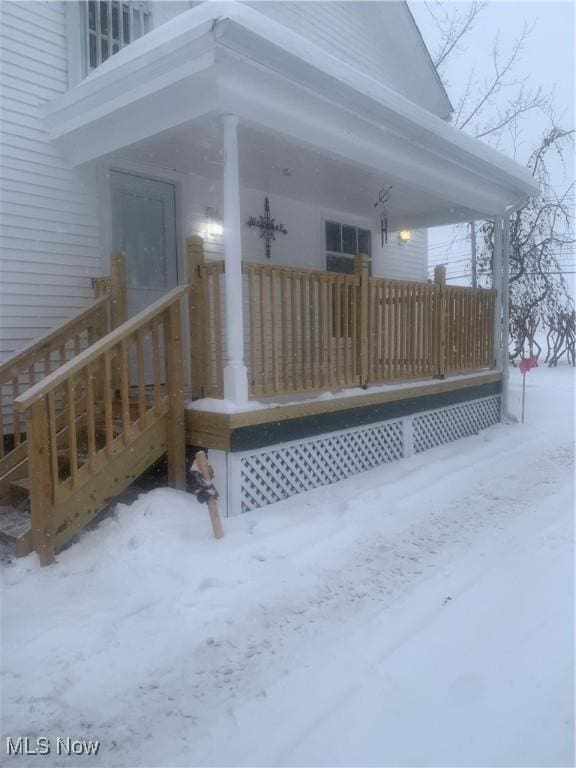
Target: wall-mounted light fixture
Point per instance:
(213, 226)
(403, 236)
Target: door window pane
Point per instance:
(143, 240)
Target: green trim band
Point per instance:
(274, 432)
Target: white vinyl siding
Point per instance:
(406, 261)
(167, 9)
(377, 38)
(340, 27)
(50, 230)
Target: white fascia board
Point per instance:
(197, 73)
(438, 218)
(282, 107)
(175, 105)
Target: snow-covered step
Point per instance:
(19, 491)
(15, 529)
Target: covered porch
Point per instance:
(240, 108)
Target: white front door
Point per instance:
(144, 228)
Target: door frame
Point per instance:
(182, 204)
(153, 173)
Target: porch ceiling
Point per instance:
(343, 134)
(278, 165)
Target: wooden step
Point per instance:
(15, 529)
(19, 491)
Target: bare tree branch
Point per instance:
(498, 80)
(521, 105)
(542, 230)
(453, 28)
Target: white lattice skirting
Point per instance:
(268, 475)
(442, 426)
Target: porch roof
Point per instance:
(224, 57)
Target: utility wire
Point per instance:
(529, 274)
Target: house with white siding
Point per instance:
(214, 220)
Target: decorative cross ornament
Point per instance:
(383, 200)
(267, 226)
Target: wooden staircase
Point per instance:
(91, 405)
(15, 513)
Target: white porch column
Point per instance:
(505, 311)
(235, 373)
(497, 285)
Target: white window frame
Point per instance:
(341, 254)
(78, 35)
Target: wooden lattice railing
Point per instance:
(101, 419)
(311, 330)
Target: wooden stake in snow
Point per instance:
(205, 470)
(525, 365)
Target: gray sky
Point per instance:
(547, 60)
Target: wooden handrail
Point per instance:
(277, 268)
(40, 390)
(51, 336)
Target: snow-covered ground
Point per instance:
(421, 614)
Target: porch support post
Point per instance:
(361, 269)
(441, 318)
(235, 373)
(497, 285)
(505, 311)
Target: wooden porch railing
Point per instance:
(301, 332)
(311, 330)
(88, 440)
(32, 364)
(401, 330)
(206, 334)
(469, 323)
(37, 360)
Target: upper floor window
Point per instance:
(111, 25)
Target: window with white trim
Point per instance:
(110, 25)
(343, 242)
